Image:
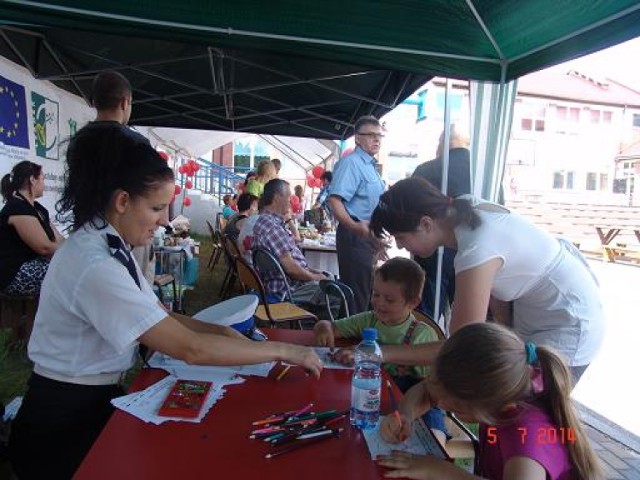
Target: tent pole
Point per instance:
(443, 188)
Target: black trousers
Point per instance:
(355, 261)
(56, 426)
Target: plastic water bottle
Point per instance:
(365, 386)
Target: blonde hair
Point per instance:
(485, 365)
(266, 171)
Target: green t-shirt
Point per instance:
(352, 327)
(255, 188)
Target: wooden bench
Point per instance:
(17, 313)
(593, 227)
(621, 252)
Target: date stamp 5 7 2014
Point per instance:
(543, 435)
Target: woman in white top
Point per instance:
(556, 301)
(95, 308)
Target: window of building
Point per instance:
(591, 181)
(558, 180)
(607, 116)
(532, 117)
(604, 182)
(563, 180)
(636, 120)
(595, 116)
(567, 119)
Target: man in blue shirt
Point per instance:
(353, 195)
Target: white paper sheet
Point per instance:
(171, 365)
(420, 442)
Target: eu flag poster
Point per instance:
(13, 114)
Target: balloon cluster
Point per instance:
(189, 168)
(314, 180)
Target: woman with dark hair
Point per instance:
(247, 206)
(499, 254)
(27, 237)
(94, 309)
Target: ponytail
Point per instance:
(557, 390)
(6, 187)
(19, 177)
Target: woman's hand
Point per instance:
(323, 334)
(305, 357)
(420, 467)
(395, 428)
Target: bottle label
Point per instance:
(366, 400)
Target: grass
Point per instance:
(15, 366)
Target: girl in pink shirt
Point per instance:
(518, 392)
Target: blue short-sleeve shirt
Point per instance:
(358, 183)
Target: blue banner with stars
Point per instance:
(14, 129)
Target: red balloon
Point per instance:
(181, 170)
(188, 184)
(347, 151)
(177, 190)
(186, 202)
(164, 155)
(317, 183)
(310, 181)
(317, 171)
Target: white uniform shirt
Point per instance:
(556, 299)
(91, 311)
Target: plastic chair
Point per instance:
(271, 313)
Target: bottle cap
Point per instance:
(370, 334)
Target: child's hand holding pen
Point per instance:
(395, 428)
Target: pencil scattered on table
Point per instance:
(283, 372)
(304, 443)
(288, 431)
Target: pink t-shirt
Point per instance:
(532, 434)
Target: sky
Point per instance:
(619, 62)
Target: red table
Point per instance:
(220, 447)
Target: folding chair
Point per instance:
(423, 317)
(341, 291)
(267, 312)
(230, 251)
(216, 252)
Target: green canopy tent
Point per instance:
(297, 68)
(309, 68)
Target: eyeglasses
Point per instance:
(371, 135)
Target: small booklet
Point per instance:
(185, 399)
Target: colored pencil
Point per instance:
(302, 443)
(283, 372)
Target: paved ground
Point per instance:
(608, 392)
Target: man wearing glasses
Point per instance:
(353, 195)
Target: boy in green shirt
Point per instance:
(397, 289)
